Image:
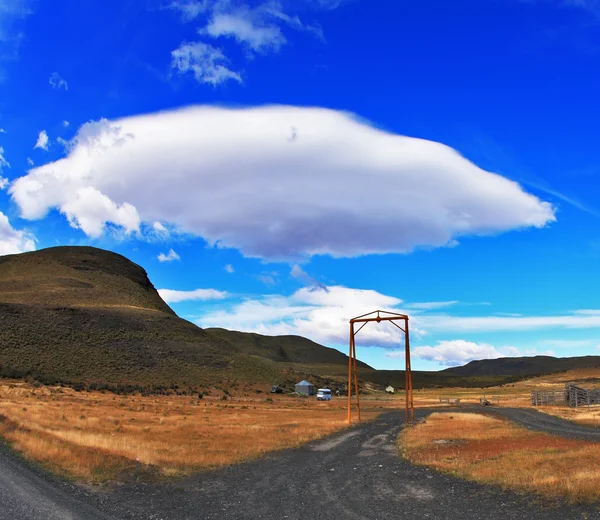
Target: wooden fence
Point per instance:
(547, 398)
(576, 396)
(572, 395)
(452, 401)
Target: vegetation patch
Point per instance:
(96, 436)
(494, 451)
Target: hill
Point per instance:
(84, 315)
(284, 349)
(522, 366)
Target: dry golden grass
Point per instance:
(583, 415)
(494, 451)
(519, 394)
(96, 436)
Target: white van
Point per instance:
(323, 394)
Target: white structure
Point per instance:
(390, 390)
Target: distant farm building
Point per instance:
(304, 387)
(390, 389)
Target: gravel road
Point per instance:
(534, 420)
(27, 493)
(354, 475)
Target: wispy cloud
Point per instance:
(173, 296)
(267, 279)
(171, 256)
(567, 343)
(3, 162)
(306, 279)
(206, 62)
(58, 82)
(503, 159)
(258, 27)
(592, 6)
(12, 13)
(445, 323)
(42, 141)
(427, 306)
(229, 268)
(576, 203)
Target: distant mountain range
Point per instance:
(523, 366)
(87, 317)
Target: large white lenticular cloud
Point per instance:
(275, 182)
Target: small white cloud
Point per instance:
(13, 241)
(229, 268)
(30, 161)
(42, 141)
(58, 82)
(170, 257)
(160, 230)
(206, 62)
(66, 123)
(247, 26)
(191, 9)
(267, 279)
(172, 296)
(2, 131)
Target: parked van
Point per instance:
(323, 394)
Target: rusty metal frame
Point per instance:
(379, 316)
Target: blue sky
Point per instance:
(280, 167)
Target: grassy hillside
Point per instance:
(523, 366)
(77, 277)
(81, 315)
(286, 349)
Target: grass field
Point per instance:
(494, 451)
(98, 436)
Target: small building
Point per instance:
(390, 389)
(304, 387)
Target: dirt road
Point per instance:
(534, 420)
(355, 475)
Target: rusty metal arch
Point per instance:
(379, 316)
